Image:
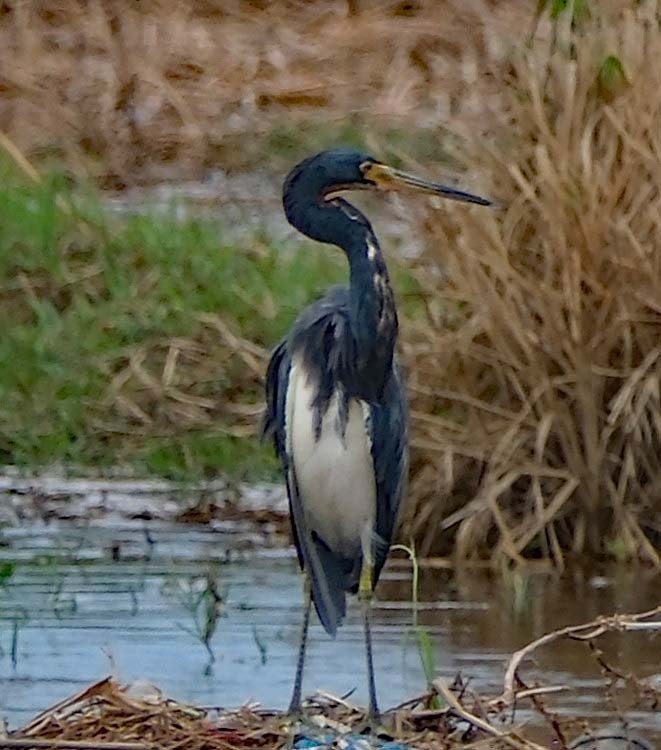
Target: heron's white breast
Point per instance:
(334, 472)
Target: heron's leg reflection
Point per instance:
(295, 703)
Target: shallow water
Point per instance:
(89, 598)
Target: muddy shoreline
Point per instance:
(55, 496)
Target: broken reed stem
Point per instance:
(19, 158)
(511, 739)
(594, 629)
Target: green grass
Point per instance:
(83, 293)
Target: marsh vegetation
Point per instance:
(530, 334)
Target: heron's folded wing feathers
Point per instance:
(388, 432)
(323, 338)
(277, 377)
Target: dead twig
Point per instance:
(511, 739)
(594, 629)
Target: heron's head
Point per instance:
(337, 170)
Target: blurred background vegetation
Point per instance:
(137, 327)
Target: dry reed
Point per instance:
(536, 373)
(132, 91)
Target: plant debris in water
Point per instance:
(110, 716)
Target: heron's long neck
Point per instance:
(372, 311)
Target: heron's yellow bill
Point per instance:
(388, 178)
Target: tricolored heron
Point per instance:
(336, 401)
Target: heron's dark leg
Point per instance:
(365, 595)
(295, 703)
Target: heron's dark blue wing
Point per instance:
(321, 344)
(274, 425)
(277, 379)
(388, 429)
(317, 342)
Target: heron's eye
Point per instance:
(367, 170)
(377, 174)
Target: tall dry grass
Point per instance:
(131, 91)
(536, 375)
